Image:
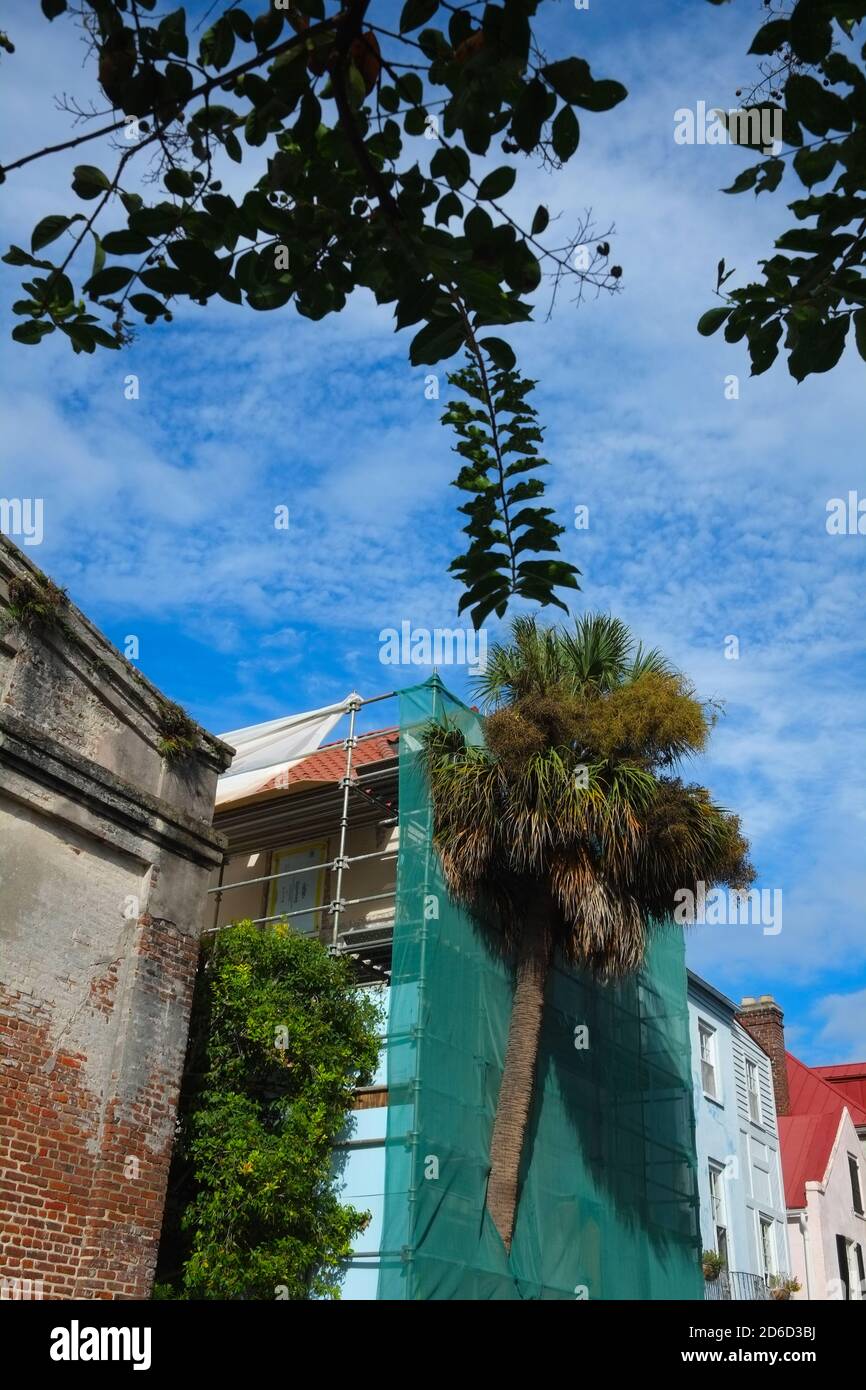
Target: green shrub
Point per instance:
(281, 1035)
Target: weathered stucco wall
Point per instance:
(106, 848)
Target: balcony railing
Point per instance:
(733, 1284)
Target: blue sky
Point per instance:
(707, 515)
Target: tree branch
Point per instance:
(204, 89)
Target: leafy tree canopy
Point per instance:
(812, 91)
(373, 156)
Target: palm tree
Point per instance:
(571, 830)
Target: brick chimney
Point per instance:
(765, 1021)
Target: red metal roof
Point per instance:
(328, 763)
(811, 1094)
(808, 1132)
(807, 1142)
(849, 1078)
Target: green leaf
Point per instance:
(770, 174)
(500, 353)
(166, 280)
(570, 78)
(452, 164)
(80, 335)
(179, 181)
(16, 255)
(813, 165)
(267, 28)
(243, 25)
(88, 181)
(764, 346)
(603, 96)
(565, 134)
(125, 243)
(439, 338)
(497, 183)
(415, 13)
(771, 37)
(449, 206)
(410, 87)
(217, 45)
(535, 105)
(357, 90)
(711, 320)
(98, 254)
(415, 120)
(540, 221)
(840, 69)
(860, 332)
(819, 346)
(744, 180)
(50, 228)
(813, 239)
(196, 260)
(818, 109)
(147, 305)
(108, 281)
(155, 221)
(810, 31)
(172, 34)
(32, 332)
(52, 8)
(104, 339)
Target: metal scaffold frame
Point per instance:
(351, 780)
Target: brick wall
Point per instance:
(765, 1021)
(104, 859)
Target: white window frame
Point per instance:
(301, 889)
(768, 1224)
(753, 1092)
(706, 1032)
(719, 1207)
(855, 1292)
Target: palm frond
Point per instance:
(597, 652)
(572, 800)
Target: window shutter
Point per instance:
(860, 1270)
(856, 1193)
(842, 1254)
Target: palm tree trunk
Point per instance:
(518, 1073)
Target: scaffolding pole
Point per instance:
(336, 904)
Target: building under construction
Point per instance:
(336, 838)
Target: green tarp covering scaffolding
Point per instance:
(608, 1204)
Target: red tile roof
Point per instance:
(808, 1132)
(849, 1078)
(328, 763)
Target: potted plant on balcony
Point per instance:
(782, 1286)
(713, 1264)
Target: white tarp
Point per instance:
(264, 750)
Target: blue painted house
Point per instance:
(742, 1201)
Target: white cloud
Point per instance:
(707, 515)
(840, 1023)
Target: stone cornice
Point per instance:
(101, 795)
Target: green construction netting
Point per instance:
(608, 1204)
